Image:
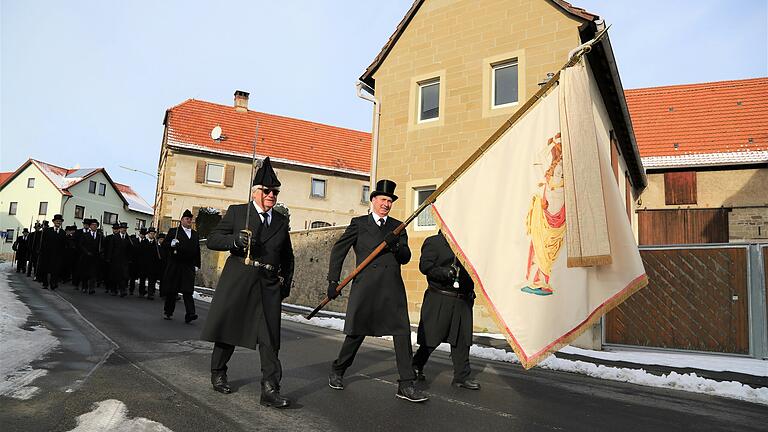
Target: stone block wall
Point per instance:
(748, 224)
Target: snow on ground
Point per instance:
(111, 416)
(20, 346)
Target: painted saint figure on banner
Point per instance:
(545, 223)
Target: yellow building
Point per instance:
(207, 151)
(453, 72)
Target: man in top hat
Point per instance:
(183, 249)
(163, 262)
(117, 256)
(377, 303)
(20, 246)
(142, 256)
(76, 280)
(52, 246)
(69, 260)
(33, 242)
(150, 259)
(245, 310)
(90, 244)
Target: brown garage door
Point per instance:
(696, 299)
(682, 226)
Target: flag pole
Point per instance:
(576, 55)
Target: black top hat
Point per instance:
(265, 175)
(58, 217)
(24, 231)
(93, 221)
(123, 224)
(187, 213)
(151, 230)
(71, 228)
(143, 231)
(115, 225)
(161, 236)
(385, 187)
(86, 221)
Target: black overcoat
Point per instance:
(444, 318)
(247, 297)
(117, 255)
(21, 246)
(154, 255)
(52, 251)
(377, 302)
(90, 254)
(179, 274)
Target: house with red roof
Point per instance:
(206, 154)
(38, 190)
(705, 149)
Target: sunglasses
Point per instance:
(267, 191)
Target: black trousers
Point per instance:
(459, 355)
(170, 303)
(151, 282)
(118, 286)
(21, 266)
(271, 369)
(403, 355)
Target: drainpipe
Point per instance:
(368, 95)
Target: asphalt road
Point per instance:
(122, 349)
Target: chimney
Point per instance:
(241, 101)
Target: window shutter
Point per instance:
(200, 172)
(229, 175)
(680, 187)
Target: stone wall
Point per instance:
(748, 224)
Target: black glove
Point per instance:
(285, 290)
(393, 241)
(332, 293)
(241, 241)
(442, 274)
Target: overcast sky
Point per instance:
(87, 82)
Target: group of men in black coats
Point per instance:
(87, 259)
(246, 306)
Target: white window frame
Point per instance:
(108, 219)
(141, 223)
(14, 208)
(312, 188)
(102, 189)
(365, 198)
(422, 86)
(494, 68)
(417, 226)
(32, 181)
(208, 180)
(95, 186)
(82, 214)
(40, 208)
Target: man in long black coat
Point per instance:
(21, 247)
(152, 257)
(52, 247)
(446, 313)
(183, 249)
(245, 310)
(33, 249)
(90, 244)
(377, 302)
(142, 258)
(117, 256)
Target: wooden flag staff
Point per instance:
(578, 52)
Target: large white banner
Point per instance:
(506, 219)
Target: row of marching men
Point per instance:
(118, 262)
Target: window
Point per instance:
(12, 209)
(504, 83)
(110, 218)
(30, 183)
(680, 187)
(429, 100)
(79, 212)
(425, 219)
(141, 223)
(102, 189)
(366, 193)
(318, 188)
(43, 209)
(214, 173)
(319, 224)
(9, 235)
(92, 187)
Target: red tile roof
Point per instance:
(135, 201)
(702, 122)
(4, 176)
(283, 139)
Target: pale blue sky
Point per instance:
(87, 82)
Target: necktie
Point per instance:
(266, 219)
(94, 235)
(381, 223)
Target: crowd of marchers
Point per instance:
(90, 260)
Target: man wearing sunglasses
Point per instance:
(245, 310)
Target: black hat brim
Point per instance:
(377, 193)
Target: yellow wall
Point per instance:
(180, 191)
(28, 200)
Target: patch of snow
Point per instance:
(20, 347)
(111, 416)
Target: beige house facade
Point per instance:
(453, 72)
(324, 170)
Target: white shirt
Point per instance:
(188, 232)
(376, 218)
(260, 211)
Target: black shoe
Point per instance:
(468, 384)
(270, 396)
(408, 391)
(189, 318)
(336, 381)
(419, 372)
(166, 317)
(219, 381)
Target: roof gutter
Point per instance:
(369, 96)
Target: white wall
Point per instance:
(28, 200)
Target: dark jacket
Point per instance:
(377, 303)
(117, 255)
(21, 247)
(248, 298)
(444, 318)
(179, 274)
(153, 254)
(90, 254)
(52, 248)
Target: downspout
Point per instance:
(369, 96)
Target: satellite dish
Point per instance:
(216, 132)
